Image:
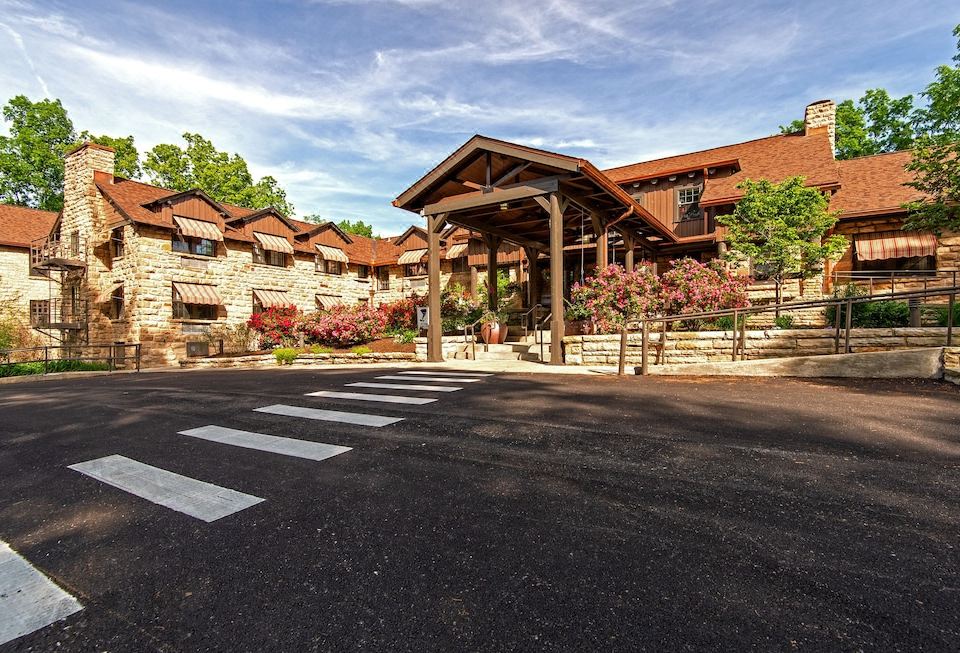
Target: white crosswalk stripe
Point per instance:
(428, 378)
(198, 499)
(405, 386)
(360, 396)
(271, 443)
(28, 599)
(425, 373)
(361, 419)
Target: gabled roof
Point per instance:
(874, 185)
(311, 229)
(412, 229)
(774, 158)
(252, 215)
(20, 225)
(193, 192)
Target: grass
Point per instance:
(26, 369)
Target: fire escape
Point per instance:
(63, 316)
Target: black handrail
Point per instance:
(75, 353)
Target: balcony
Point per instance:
(59, 254)
(63, 314)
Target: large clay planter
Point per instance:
(504, 332)
(490, 332)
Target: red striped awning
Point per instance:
(197, 293)
(198, 228)
(411, 256)
(327, 302)
(332, 253)
(895, 244)
(268, 298)
(456, 251)
(274, 243)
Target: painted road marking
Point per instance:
(181, 493)
(362, 419)
(28, 599)
(422, 373)
(429, 378)
(359, 396)
(405, 386)
(272, 443)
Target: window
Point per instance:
(917, 264)
(327, 266)
(116, 243)
(190, 245)
(638, 198)
(268, 256)
(185, 311)
(363, 271)
(39, 312)
(383, 278)
(460, 264)
(117, 305)
(415, 269)
(688, 204)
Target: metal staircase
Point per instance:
(63, 316)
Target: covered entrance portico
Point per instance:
(535, 199)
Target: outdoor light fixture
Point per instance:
(711, 171)
(691, 174)
(504, 206)
(636, 185)
(653, 181)
(672, 178)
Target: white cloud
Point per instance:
(18, 41)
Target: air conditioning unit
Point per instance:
(195, 349)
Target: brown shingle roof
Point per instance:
(774, 158)
(874, 185)
(20, 225)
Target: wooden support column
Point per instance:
(473, 281)
(628, 245)
(434, 328)
(556, 280)
(603, 248)
(493, 246)
(533, 276)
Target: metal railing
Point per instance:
(59, 313)
(69, 249)
(843, 312)
(472, 329)
(538, 332)
(876, 281)
(60, 358)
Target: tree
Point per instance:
(936, 156)
(223, 176)
(31, 157)
(127, 162)
(359, 228)
(782, 227)
(876, 124)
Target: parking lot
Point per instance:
(415, 510)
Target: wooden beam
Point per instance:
(434, 327)
(628, 244)
(464, 201)
(533, 276)
(469, 184)
(493, 246)
(497, 231)
(556, 280)
(441, 221)
(516, 170)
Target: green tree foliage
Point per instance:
(31, 157)
(127, 157)
(936, 155)
(223, 176)
(782, 227)
(876, 123)
(359, 228)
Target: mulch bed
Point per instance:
(383, 345)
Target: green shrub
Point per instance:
(404, 336)
(24, 369)
(783, 321)
(870, 315)
(321, 349)
(285, 355)
(361, 349)
(941, 315)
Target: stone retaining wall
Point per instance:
(266, 360)
(451, 345)
(716, 346)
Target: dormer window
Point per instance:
(197, 237)
(688, 204)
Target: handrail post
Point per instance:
(623, 350)
(950, 308)
(849, 324)
(644, 349)
(735, 334)
(46, 359)
(743, 338)
(663, 344)
(837, 312)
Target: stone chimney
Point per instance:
(80, 210)
(819, 115)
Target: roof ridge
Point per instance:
(873, 156)
(702, 151)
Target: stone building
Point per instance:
(23, 291)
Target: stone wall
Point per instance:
(17, 286)
(717, 346)
(451, 344)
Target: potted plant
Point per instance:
(490, 328)
(578, 320)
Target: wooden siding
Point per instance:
(269, 225)
(198, 209)
(328, 237)
(661, 200)
(477, 253)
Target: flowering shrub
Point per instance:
(457, 309)
(277, 325)
(401, 314)
(345, 325)
(614, 294)
(694, 287)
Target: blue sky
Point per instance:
(347, 102)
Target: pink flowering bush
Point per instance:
(614, 294)
(343, 326)
(694, 287)
(277, 326)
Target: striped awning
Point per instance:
(456, 251)
(412, 256)
(327, 301)
(268, 298)
(107, 295)
(197, 293)
(895, 244)
(274, 243)
(198, 228)
(332, 254)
